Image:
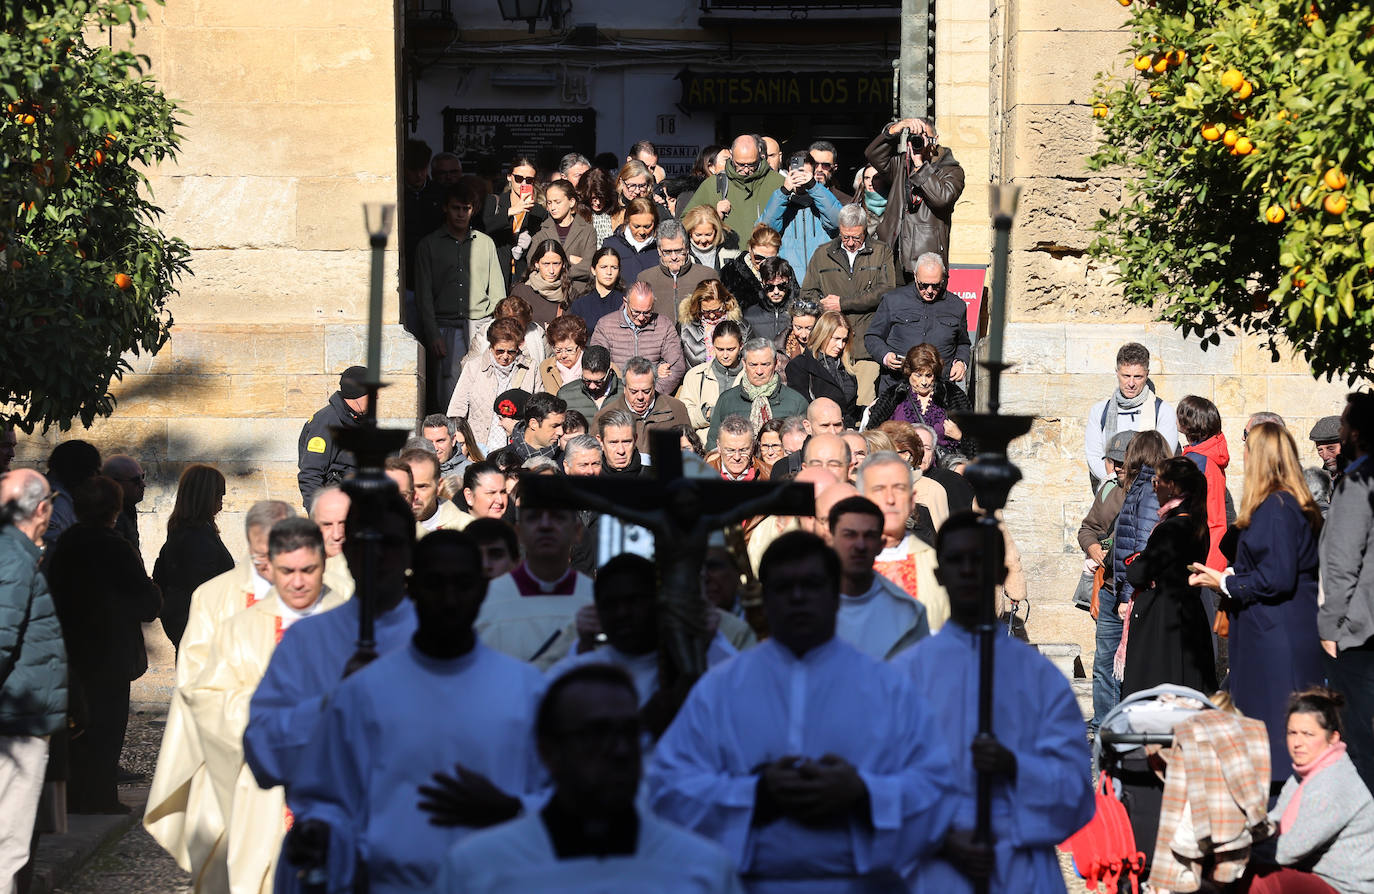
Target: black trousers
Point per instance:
(96, 746)
(1351, 673)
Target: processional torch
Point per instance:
(992, 476)
(370, 446)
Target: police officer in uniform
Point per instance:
(321, 462)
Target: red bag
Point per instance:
(1104, 850)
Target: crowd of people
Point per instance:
(519, 723)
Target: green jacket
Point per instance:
(33, 658)
(747, 195)
(785, 402)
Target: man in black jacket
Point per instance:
(923, 312)
(321, 461)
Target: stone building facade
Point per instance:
(292, 122)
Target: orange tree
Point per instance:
(1242, 129)
(86, 273)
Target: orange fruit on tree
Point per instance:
(1160, 64)
(1142, 63)
(1230, 137)
(123, 280)
(27, 119)
(1275, 214)
(1246, 89)
(1243, 146)
(99, 157)
(1211, 132)
(1232, 79)
(1124, 2)
(1335, 178)
(1100, 110)
(1335, 203)
(1176, 58)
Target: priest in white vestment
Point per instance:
(255, 818)
(526, 611)
(875, 617)
(591, 837)
(330, 511)
(816, 767)
(183, 815)
(432, 512)
(1039, 752)
(386, 730)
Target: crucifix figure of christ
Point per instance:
(681, 512)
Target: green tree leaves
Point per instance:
(86, 273)
(1197, 237)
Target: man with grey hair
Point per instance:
(639, 330)
(640, 398)
(33, 684)
(582, 455)
(615, 430)
(760, 395)
(573, 167)
(129, 475)
(886, 480)
(850, 274)
(676, 275)
(740, 191)
(734, 456)
(924, 312)
(1262, 416)
(926, 183)
(445, 170)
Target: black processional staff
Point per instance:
(992, 476)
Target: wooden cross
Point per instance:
(681, 513)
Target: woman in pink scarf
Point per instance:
(1325, 815)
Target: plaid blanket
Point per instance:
(1215, 797)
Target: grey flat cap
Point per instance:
(1326, 431)
(1116, 447)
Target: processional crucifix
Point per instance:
(681, 512)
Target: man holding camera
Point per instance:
(802, 210)
(926, 182)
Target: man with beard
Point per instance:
(740, 192)
(432, 513)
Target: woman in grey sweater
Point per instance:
(1325, 815)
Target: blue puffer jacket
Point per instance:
(1139, 515)
(805, 222)
(33, 660)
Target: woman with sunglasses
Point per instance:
(803, 314)
(636, 241)
(708, 306)
(778, 286)
(512, 217)
(501, 367)
(741, 276)
(635, 181)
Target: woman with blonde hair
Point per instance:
(194, 552)
(709, 305)
(634, 181)
(1270, 588)
(825, 368)
(742, 276)
(710, 243)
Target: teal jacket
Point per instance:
(33, 659)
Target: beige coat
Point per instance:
(699, 392)
(478, 387)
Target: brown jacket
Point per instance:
(859, 290)
(667, 412)
(581, 243)
(670, 291)
(938, 183)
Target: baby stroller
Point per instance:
(1121, 750)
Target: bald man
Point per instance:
(822, 417)
(774, 526)
(826, 501)
(741, 192)
(128, 474)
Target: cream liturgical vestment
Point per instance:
(525, 617)
(182, 814)
(255, 818)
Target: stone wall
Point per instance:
(1066, 319)
(290, 122)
